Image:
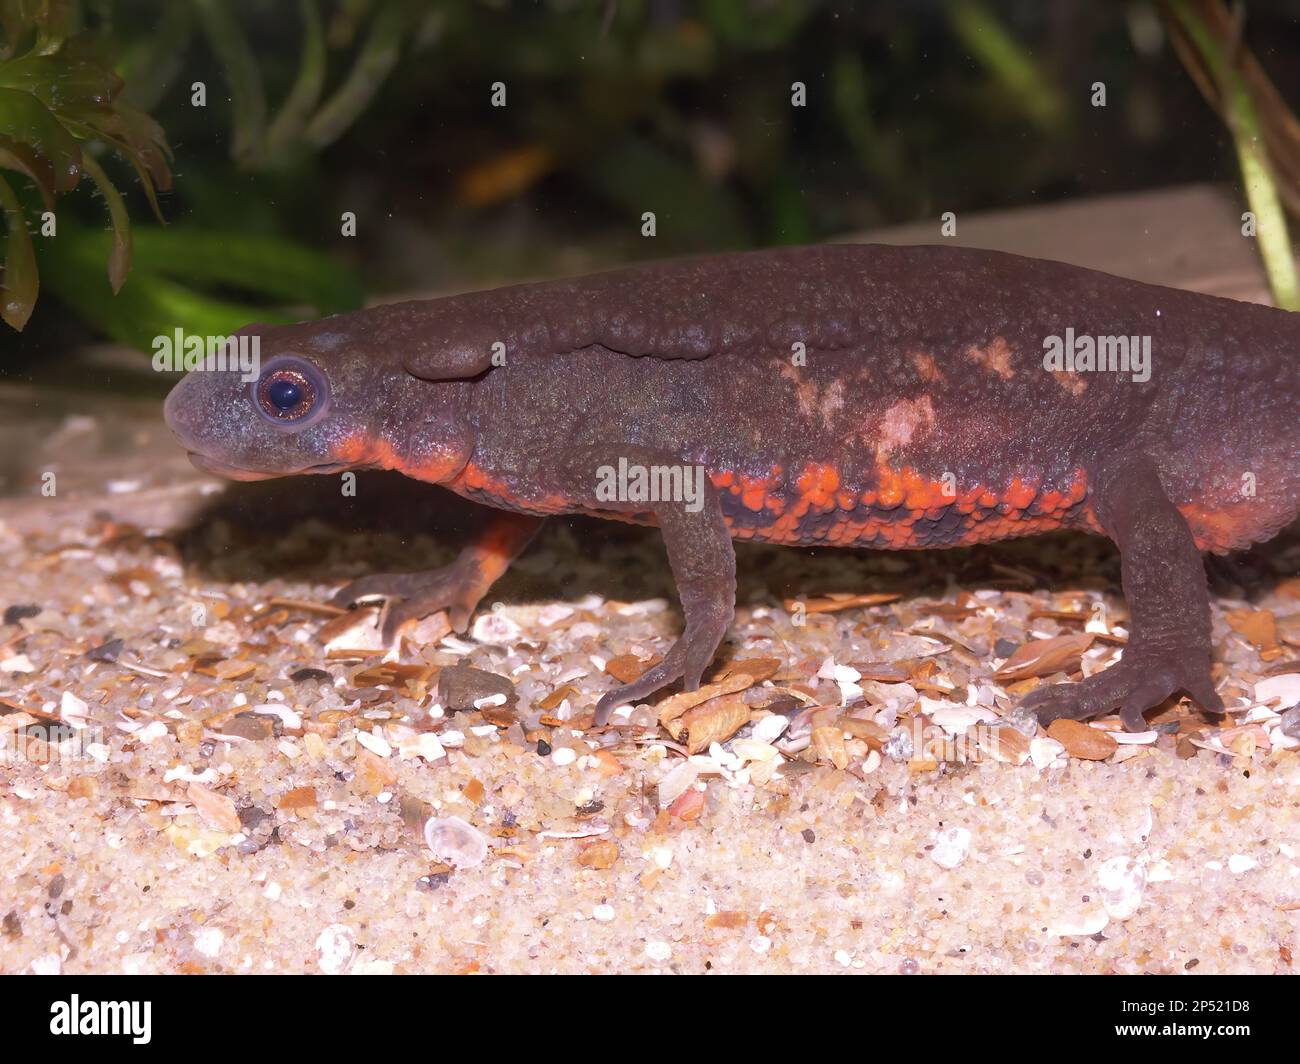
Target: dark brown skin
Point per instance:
(918, 412)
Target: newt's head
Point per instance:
(319, 397)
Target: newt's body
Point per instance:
(865, 396)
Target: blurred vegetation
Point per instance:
(385, 108)
(1265, 132)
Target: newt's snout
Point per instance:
(283, 423)
(187, 413)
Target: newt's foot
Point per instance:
(412, 596)
(686, 660)
(1139, 681)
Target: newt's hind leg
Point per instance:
(1164, 582)
(457, 587)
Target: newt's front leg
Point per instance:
(456, 588)
(1164, 582)
(703, 563)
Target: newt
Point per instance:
(861, 396)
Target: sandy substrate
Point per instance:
(208, 812)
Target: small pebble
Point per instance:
(1023, 720)
(460, 686)
(658, 951)
(1291, 723)
(456, 842)
(1122, 881)
(209, 940)
(899, 745)
(16, 613)
(335, 945)
(950, 847)
(106, 651)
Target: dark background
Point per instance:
(613, 108)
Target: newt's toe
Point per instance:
(412, 596)
(1139, 682)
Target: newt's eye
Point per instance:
(290, 391)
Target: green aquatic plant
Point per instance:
(309, 118)
(1011, 65)
(60, 100)
(208, 282)
(63, 106)
(1265, 132)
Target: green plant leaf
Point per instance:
(21, 278)
(52, 20)
(41, 147)
(157, 300)
(756, 25)
(307, 87)
(119, 260)
(1011, 63)
(263, 265)
(149, 64)
(247, 94)
(1256, 170)
(149, 306)
(75, 81)
(377, 58)
(139, 140)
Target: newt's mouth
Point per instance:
(218, 468)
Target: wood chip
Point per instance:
(280, 610)
(298, 800)
(83, 787)
(411, 680)
(1259, 627)
(714, 721)
(224, 669)
(353, 634)
(1069, 616)
(216, 810)
(882, 671)
(689, 805)
(868, 730)
(1043, 657)
(1081, 741)
(375, 774)
(759, 669)
(15, 721)
(837, 601)
(601, 854)
(828, 742)
(609, 764)
(1004, 744)
(35, 711)
(948, 611)
(628, 667)
(553, 700)
(675, 705)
